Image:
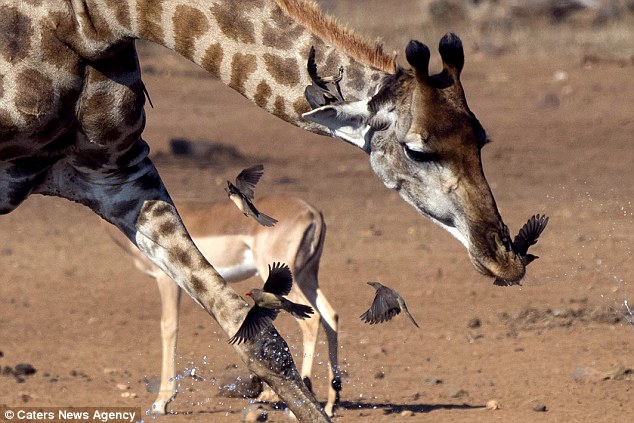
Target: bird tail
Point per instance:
(265, 220)
(300, 311)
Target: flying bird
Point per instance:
(323, 90)
(268, 302)
(527, 236)
(387, 304)
(242, 194)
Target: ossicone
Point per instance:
(452, 54)
(417, 55)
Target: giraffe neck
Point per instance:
(257, 47)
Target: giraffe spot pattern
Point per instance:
(150, 24)
(284, 71)
(213, 59)
(234, 22)
(57, 53)
(279, 108)
(242, 66)
(189, 24)
(301, 106)
(198, 285)
(283, 33)
(36, 98)
(179, 255)
(262, 94)
(167, 228)
(17, 32)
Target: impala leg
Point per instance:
(310, 329)
(170, 300)
(330, 323)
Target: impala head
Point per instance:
(425, 143)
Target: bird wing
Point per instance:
(257, 319)
(529, 233)
(248, 179)
(280, 280)
(383, 308)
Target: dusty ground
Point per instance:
(72, 305)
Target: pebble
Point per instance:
(406, 413)
(492, 405)
(540, 408)
(128, 394)
(24, 369)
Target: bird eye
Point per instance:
(419, 156)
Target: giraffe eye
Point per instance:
(420, 156)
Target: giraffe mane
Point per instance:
(307, 13)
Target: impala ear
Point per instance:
(346, 120)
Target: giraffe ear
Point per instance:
(346, 120)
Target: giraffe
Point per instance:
(71, 119)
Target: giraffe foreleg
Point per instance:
(137, 202)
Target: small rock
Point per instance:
(111, 370)
(406, 413)
(24, 369)
(7, 371)
(492, 405)
(474, 323)
(379, 375)
(1, 354)
(123, 386)
(128, 394)
(430, 380)
(549, 101)
(540, 408)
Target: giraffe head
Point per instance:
(425, 143)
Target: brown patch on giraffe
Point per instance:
(283, 33)
(308, 14)
(167, 228)
(122, 13)
(279, 108)
(161, 208)
(242, 66)
(150, 23)
(213, 59)
(198, 285)
(301, 106)
(284, 71)
(58, 53)
(180, 256)
(189, 24)
(262, 94)
(355, 78)
(17, 31)
(234, 24)
(36, 97)
(98, 119)
(95, 25)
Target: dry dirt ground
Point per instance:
(73, 306)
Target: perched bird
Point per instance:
(268, 302)
(527, 236)
(242, 194)
(387, 304)
(323, 90)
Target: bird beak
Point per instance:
(248, 294)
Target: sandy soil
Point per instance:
(73, 306)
